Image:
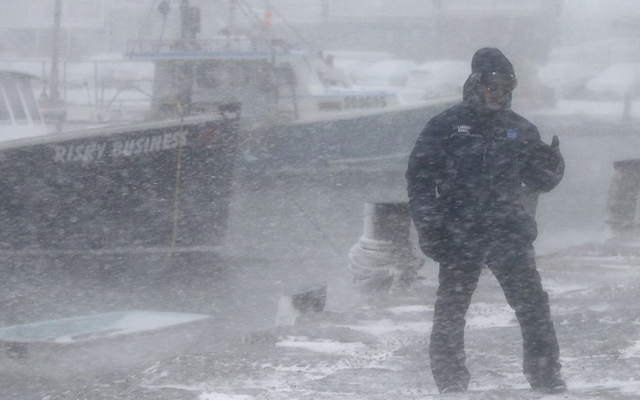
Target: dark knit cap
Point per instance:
(490, 59)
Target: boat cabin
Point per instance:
(20, 115)
(271, 82)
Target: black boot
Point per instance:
(550, 385)
(454, 388)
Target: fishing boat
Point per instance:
(154, 185)
(298, 108)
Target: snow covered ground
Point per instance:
(378, 349)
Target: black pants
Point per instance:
(520, 281)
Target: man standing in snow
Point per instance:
(465, 177)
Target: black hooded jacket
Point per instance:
(469, 164)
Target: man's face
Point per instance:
(497, 89)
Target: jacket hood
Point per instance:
(490, 59)
(485, 61)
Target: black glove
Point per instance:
(540, 153)
(547, 157)
(542, 165)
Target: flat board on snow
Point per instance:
(98, 326)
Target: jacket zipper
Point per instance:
(455, 168)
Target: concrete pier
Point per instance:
(623, 212)
(384, 258)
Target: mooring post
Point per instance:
(384, 257)
(622, 205)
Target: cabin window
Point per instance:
(15, 100)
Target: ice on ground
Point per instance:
(483, 315)
(222, 396)
(388, 327)
(323, 346)
(77, 329)
(409, 309)
(632, 351)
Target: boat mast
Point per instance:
(54, 83)
(232, 16)
(268, 23)
(189, 25)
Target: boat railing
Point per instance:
(226, 44)
(91, 90)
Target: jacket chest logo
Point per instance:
(464, 131)
(512, 134)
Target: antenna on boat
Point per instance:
(163, 9)
(54, 89)
(232, 14)
(265, 24)
(190, 24)
(268, 24)
(54, 101)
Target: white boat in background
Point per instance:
(439, 78)
(20, 115)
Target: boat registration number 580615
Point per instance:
(351, 102)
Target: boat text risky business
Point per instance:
(119, 148)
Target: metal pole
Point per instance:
(232, 16)
(184, 20)
(325, 22)
(95, 83)
(64, 80)
(188, 29)
(268, 16)
(54, 81)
